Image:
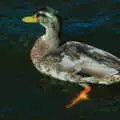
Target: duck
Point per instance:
(72, 61)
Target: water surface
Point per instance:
(27, 94)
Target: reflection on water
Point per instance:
(25, 93)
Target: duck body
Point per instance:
(87, 63)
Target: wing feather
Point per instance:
(89, 59)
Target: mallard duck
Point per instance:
(73, 61)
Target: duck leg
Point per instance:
(83, 95)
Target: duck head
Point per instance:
(47, 17)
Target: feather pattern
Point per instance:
(79, 58)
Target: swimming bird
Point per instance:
(73, 61)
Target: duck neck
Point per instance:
(47, 43)
(51, 38)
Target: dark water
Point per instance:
(25, 94)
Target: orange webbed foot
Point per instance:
(83, 95)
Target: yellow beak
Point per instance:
(30, 19)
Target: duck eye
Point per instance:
(40, 14)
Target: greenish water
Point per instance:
(27, 94)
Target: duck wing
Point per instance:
(88, 59)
